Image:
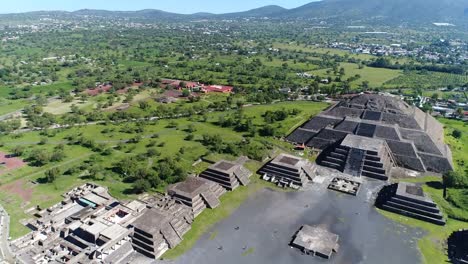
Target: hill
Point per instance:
(386, 11)
(266, 11)
(394, 10)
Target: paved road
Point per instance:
(5, 254)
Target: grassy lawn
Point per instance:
(376, 77)
(459, 146)
(9, 106)
(428, 80)
(308, 110)
(303, 48)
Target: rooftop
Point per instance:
(224, 165)
(364, 143)
(191, 187)
(288, 160)
(151, 221)
(317, 240)
(412, 191)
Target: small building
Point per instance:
(197, 193)
(288, 170)
(410, 200)
(217, 89)
(155, 232)
(346, 185)
(228, 174)
(314, 240)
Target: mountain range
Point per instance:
(385, 10)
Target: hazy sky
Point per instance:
(179, 6)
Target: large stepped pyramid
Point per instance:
(409, 200)
(414, 139)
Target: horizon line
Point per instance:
(155, 9)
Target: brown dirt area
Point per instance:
(8, 163)
(18, 188)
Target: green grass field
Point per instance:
(9, 106)
(376, 77)
(47, 194)
(428, 80)
(459, 146)
(311, 49)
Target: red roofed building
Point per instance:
(99, 89)
(217, 89)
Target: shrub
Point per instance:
(456, 133)
(455, 179)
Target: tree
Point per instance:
(454, 179)
(191, 128)
(141, 186)
(57, 155)
(52, 174)
(144, 105)
(342, 72)
(39, 157)
(460, 112)
(456, 133)
(41, 100)
(185, 93)
(267, 131)
(365, 85)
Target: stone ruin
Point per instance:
(316, 241)
(288, 170)
(413, 139)
(410, 200)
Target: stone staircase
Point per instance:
(354, 162)
(242, 175)
(210, 199)
(171, 236)
(372, 166)
(335, 158)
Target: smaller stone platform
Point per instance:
(346, 185)
(317, 241)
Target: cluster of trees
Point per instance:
(10, 126)
(383, 62)
(279, 115)
(41, 157)
(455, 179)
(143, 178)
(250, 148)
